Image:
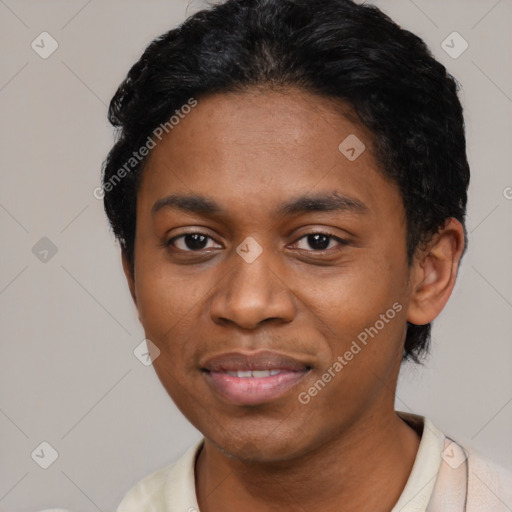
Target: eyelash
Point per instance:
(341, 241)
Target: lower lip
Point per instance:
(254, 390)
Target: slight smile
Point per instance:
(251, 379)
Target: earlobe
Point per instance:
(434, 273)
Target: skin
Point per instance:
(250, 152)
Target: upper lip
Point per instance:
(262, 360)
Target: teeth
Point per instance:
(261, 373)
(255, 373)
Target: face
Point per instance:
(260, 247)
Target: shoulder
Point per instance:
(465, 479)
(489, 484)
(174, 481)
(147, 492)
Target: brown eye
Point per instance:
(320, 241)
(190, 242)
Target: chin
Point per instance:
(267, 446)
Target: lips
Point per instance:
(255, 378)
(264, 360)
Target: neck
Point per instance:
(365, 468)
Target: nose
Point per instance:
(251, 294)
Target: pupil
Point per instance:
(318, 241)
(195, 241)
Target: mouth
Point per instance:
(250, 379)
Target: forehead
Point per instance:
(261, 146)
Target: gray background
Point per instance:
(68, 375)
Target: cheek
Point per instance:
(360, 310)
(351, 297)
(166, 299)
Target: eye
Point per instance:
(190, 242)
(319, 241)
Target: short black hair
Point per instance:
(333, 48)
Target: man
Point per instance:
(289, 190)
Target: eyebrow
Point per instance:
(334, 202)
(197, 204)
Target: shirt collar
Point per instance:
(420, 484)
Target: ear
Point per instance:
(129, 276)
(434, 272)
